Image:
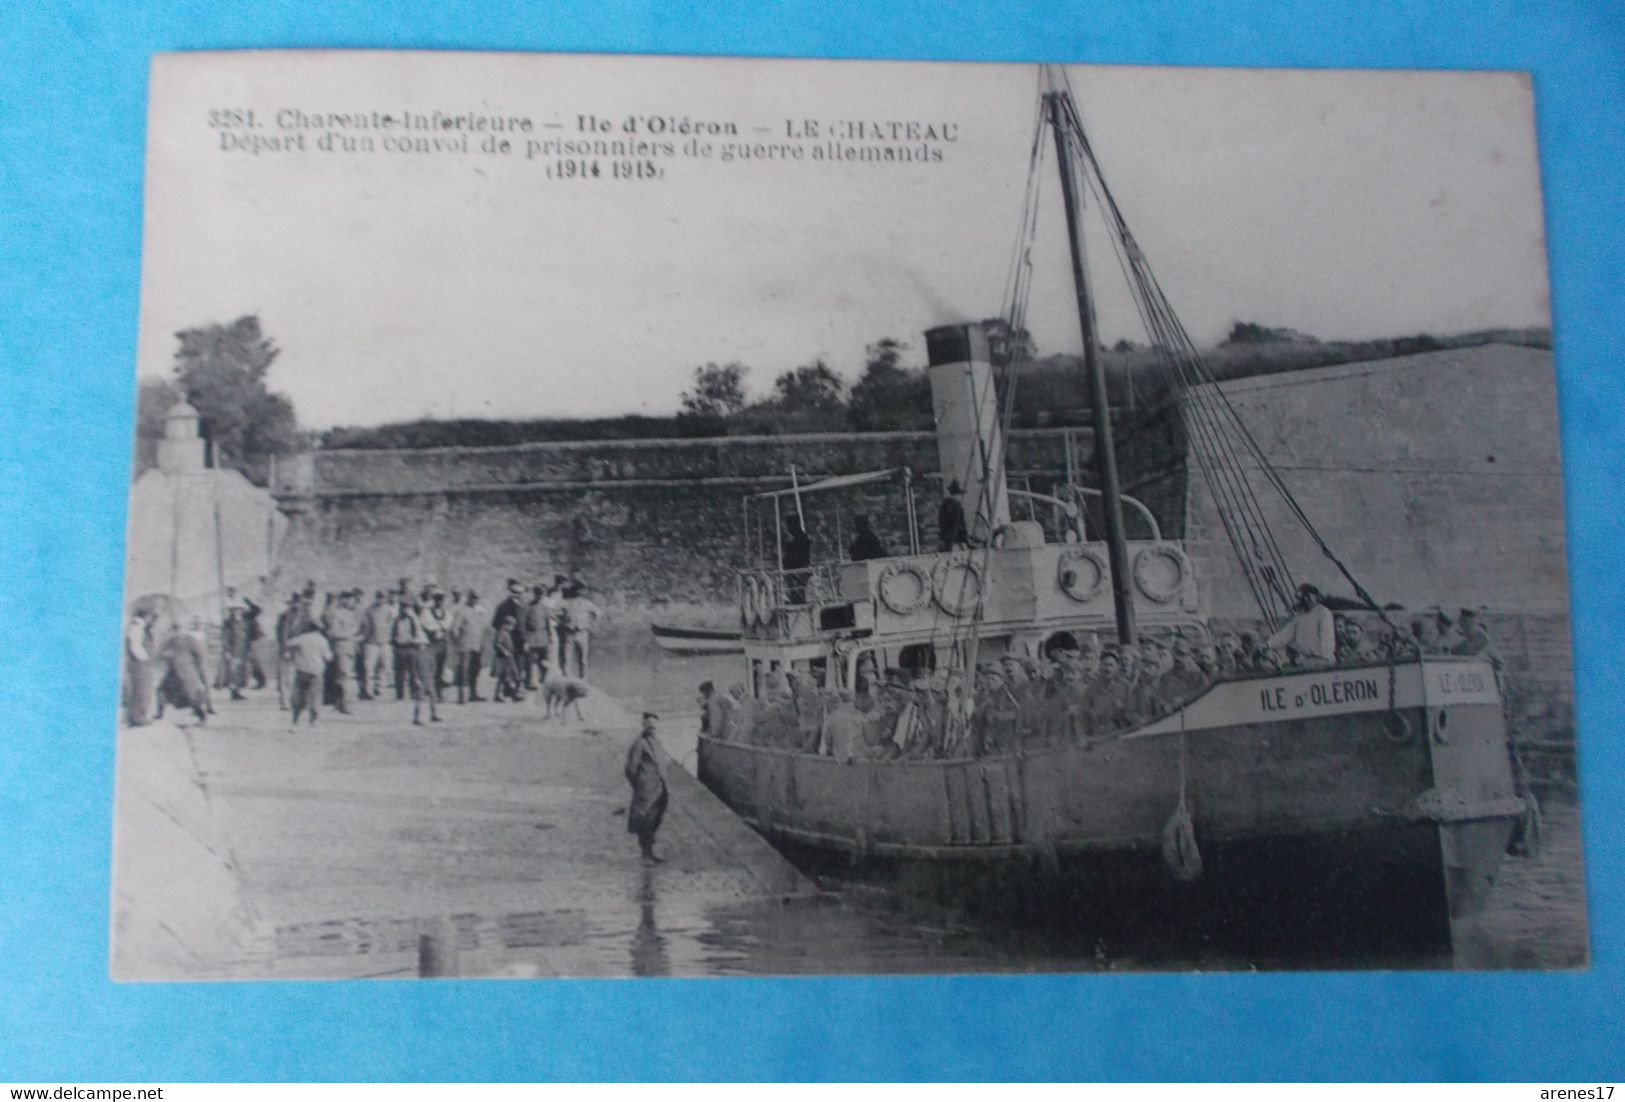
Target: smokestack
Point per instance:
(970, 439)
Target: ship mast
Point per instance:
(1061, 114)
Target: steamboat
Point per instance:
(1367, 802)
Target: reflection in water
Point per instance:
(649, 955)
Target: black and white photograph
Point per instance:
(615, 516)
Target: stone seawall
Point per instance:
(646, 522)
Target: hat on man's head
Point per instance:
(1467, 612)
(650, 715)
(472, 596)
(1307, 588)
(955, 488)
(513, 583)
(707, 687)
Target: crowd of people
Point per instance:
(338, 648)
(1078, 691)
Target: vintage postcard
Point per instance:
(615, 516)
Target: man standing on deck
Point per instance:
(1311, 635)
(1474, 638)
(1107, 699)
(865, 544)
(951, 530)
(796, 553)
(1183, 682)
(649, 796)
(468, 636)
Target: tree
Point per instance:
(717, 392)
(889, 395)
(810, 387)
(221, 369)
(153, 400)
(1250, 332)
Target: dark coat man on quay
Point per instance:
(649, 795)
(951, 530)
(185, 684)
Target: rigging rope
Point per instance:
(1224, 447)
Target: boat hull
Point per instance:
(1382, 814)
(687, 641)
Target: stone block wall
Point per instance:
(646, 523)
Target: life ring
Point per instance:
(886, 586)
(1397, 727)
(1067, 576)
(1150, 562)
(961, 598)
(764, 600)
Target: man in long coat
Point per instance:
(184, 684)
(648, 781)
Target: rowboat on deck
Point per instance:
(679, 640)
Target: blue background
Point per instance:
(72, 115)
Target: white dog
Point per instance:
(560, 691)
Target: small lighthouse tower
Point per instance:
(182, 449)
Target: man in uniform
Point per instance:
(468, 639)
(414, 656)
(795, 552)
(512, 610)
(436, 633)
(1138, 700)
(646, 775)
(1106, 702)
(741, 714)
(310, 653)
(1352, 646)
(538, 629)
(232, 630)
(344, 633)
(377, 667)
(1181, 683)
(1445, 637)
(580, 613)
(865, 544)
(951, 530)
(1207, 661)
(1475, 639)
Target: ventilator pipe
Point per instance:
(1156, 530)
